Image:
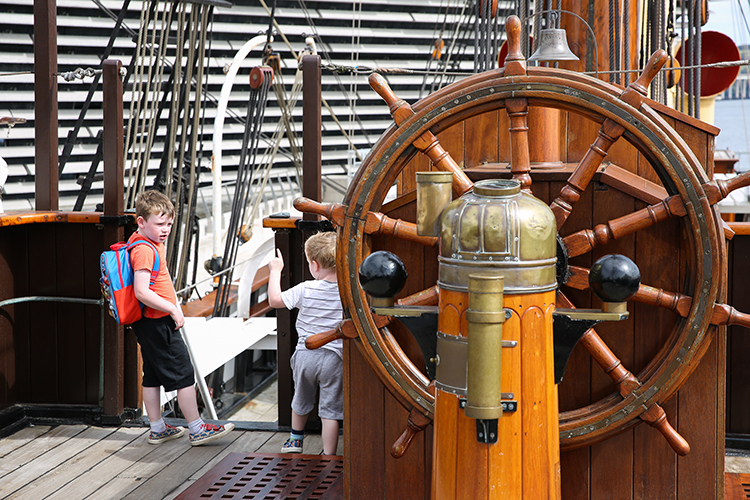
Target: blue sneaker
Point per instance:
(209, 433)
(167, 435)
(292, 446)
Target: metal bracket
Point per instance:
(509, 406)
(568, 327)
(320, 226)
(117, 220)
(487, 431)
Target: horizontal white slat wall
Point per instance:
(387, 33)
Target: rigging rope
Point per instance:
(188, 229)
(366, 70)
(322, 50)
(135, 97)
(255, 111)
(356, 27)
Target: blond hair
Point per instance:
(321, 248)
(153, 202)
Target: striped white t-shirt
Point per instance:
(320, 310)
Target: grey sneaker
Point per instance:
(167, 435)
(292, 446)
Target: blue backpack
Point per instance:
(117, 281)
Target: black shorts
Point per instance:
(166, 361)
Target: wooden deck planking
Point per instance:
(51, 481)
(78, 461)
(33, 449)
(21, 438)
(93, 479)
(54, 458)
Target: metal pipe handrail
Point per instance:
(40, 298)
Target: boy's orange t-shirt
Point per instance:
(142, 257)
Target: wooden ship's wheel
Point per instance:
(623, 116)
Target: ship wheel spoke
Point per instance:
(608, 134)
(721, 314)
(427, 142)
(576, 184)
(586, 240)
(520, 166)
(627, 383)
(375, 222)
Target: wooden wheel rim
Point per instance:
(671, 159)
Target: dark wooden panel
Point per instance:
(574, 470)
(21, 312)
(8, 270)
(655, 470)
(92, 248)
(404, 477)
(581, 133)
(575, 389)
(503, 136)
(612, 468)
(452, 140)
(481, 139)
(364, 427)
(43, 321)
(700, 473)
(609, 204)
(71, 352)
(656, 463)
(738, 348)
(700, 143)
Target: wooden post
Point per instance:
(45, 105)
(114, 205)
(311, 131)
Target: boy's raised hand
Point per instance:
(276, 263)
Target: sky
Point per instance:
(725, 17)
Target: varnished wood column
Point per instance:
(525, 461)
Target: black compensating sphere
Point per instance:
(614, 278)
(382, 274)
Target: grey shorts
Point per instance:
(322, 369)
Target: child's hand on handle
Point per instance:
(178, 317)
(276, 263)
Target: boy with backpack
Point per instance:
(320, 310)
(166, 361)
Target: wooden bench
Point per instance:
(204, 307)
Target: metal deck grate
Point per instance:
(270, 476)
(736, 486)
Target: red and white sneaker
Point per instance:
(209, 433)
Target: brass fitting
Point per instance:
(434, 192)
(486, 317)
